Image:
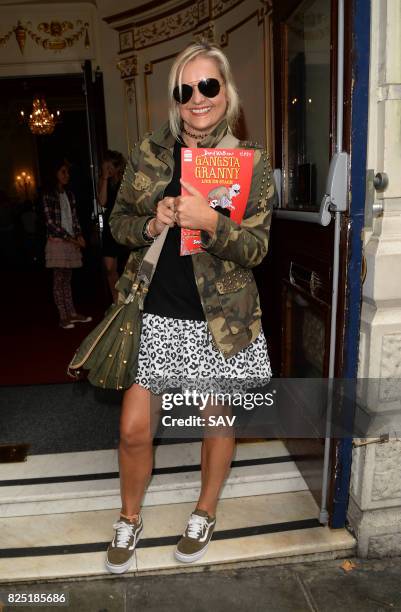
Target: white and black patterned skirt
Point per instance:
(176, 353)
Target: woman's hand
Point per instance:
(193, 211)
(164, 216)
(81, 242)
(78, 242)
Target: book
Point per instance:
(224, 177)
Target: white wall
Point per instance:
(375, 496)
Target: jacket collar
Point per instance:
(164, 138)
(215, 136)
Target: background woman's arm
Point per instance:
(125, 224)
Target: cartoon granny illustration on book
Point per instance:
(220, 198)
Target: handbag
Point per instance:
(110, 351)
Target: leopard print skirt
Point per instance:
(179, 354)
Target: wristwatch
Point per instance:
(145, 232)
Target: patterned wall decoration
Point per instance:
(188, 17)
(128, 68)
(169, 27)
(387, 474)
(58, 34)
(208, 33)
(219, 7)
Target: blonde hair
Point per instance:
(210, 51)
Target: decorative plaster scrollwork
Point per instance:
(148, 32)
(390, 368)
(219, 7)
(128, 67)
(387, 475)
(130, 90)
(57, 41)
(208, 33)
(168, 27)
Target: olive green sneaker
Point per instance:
(121, 549)
(196, 537)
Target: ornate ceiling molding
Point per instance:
(58, 34)
(155, 23)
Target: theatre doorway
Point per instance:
(29, 316)
(306, 269)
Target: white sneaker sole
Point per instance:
(124, 567)
(190, 558)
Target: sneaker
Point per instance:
(66, 324)
(121, 549)
(78, 318)
(196, 537)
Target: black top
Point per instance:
(173, 291)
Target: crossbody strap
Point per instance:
(149, 262)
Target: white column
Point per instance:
(375, 496)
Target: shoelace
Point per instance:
(124, 532)
(196, 526)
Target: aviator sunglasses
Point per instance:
(207, 87)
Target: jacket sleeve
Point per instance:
(53, 228)
(247, 244)
(126, 224)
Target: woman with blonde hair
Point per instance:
(202, 317)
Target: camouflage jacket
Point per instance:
(223, 274)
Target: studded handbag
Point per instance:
(109, 353)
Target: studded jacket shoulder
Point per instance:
(223, 274)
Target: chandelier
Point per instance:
(41, 121)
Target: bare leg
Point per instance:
(110, 265)
(216, 456)
(136, 448)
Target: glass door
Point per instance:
(306, 38)
(301, 303)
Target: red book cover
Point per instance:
(224, 177)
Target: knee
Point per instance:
(132, 438)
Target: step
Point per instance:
(73, 482)
(280, 527)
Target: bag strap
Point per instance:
(149, 262)
(148, 265)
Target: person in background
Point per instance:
(64, 242)
(114, 254)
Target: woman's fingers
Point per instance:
(191, 189)
(165, 211)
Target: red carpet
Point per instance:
(34, 349)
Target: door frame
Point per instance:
(358, 15)
(356, 80)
